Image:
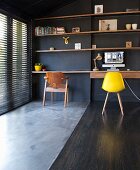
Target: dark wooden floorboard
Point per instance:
(109, 142)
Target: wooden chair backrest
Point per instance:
(55, 79)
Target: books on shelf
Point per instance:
(48, 30)
(60, 30)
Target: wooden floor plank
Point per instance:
(111, 142)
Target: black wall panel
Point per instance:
(82, 88)
(79, 84)
(132, 59)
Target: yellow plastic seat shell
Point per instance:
(113, 82)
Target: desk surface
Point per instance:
(96, 74)
(125, 74)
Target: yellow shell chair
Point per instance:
(113, 83)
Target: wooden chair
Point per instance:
(56, 82)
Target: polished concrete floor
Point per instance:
(32, 136)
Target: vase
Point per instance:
(134, 26)
(128, 26)
(38, 68)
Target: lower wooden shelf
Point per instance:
(125, 74)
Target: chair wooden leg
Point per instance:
(52, 96)
(67, 96)
(65, 99)
(105, 103)
(120, 102)
(44, 97)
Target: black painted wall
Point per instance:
(132, 59)
(81, 87)
(79, 84)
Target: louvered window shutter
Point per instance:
(15, 69)
(3, 63)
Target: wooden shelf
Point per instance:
(70, 72)
(90, 15)
(96, 74)
(90, 32)
(88, 49)
(93, 74)
(116, 48)
(63, 50)
(125, 74)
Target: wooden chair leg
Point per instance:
(105, 103)
(52, 96)
(120, 102)
(44, 96)
(67, 96)
(65, 99)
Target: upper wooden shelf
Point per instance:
(90, 32)
(88, 49)
(89, 15)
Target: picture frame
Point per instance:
(108, 25)
(76, 29)
(98, 9)
(128, 44)
(77, 46)
(94, 46)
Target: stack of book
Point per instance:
(60, 30)
(39, 31)
(49, 30)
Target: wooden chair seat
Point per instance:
(61, 88)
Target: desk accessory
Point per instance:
(98, 57)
